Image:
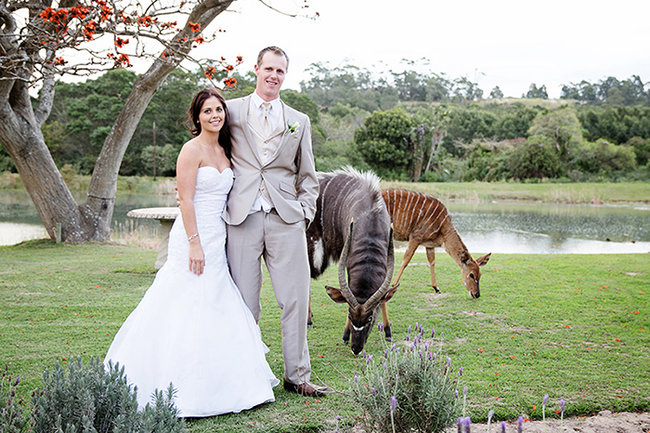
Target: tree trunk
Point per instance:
(53, 201)
(20, 133)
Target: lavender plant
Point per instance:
(91, 398)
(411, 386)
(13, 417)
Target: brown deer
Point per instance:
(423, 220)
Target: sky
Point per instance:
(504, 43)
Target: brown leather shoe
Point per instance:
(307, 389)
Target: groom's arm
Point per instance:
(306, 180)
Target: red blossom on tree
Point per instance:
(119, 42)
(196, 27)
(210, 71)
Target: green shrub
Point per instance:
(93, 399)
(605, 157)
(411, 387)
(536, 158)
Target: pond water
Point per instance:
(525, 228)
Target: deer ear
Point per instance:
(483, 260)
(387, 297)
(335, 294)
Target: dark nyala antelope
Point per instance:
(352, 226)
(423, 220)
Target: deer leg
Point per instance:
(431, 257)
(346, 333)
(408, 255)
(387, 331)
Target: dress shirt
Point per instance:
(275, 112)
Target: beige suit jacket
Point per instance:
(289, 175)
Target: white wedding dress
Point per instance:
(196, 331)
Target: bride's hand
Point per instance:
(197, 258)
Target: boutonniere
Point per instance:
(292, 128)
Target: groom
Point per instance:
(272, 201)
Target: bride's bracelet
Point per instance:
(195, 235)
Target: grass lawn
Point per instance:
(575, 193)
(575, 327)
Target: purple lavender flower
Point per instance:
(356, 379)
(460, 371)
(380, 326)
(490, 415)
(409, 329)
(433, 332)
(459, 423)
(374, 391)
(467, 423)
(544, 401)
(503, 427)
(456, 393)
(562, 404)
(448, 362)
(520, 424)
(393, 404)
(17, 381)
(386, 353)
(338, 417)
(368, 359)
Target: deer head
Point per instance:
(472, 273)
(361, 316)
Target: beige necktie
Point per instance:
(266, 122)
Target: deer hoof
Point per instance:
(388, 333)
(436, 289)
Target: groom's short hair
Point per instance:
(273, 49)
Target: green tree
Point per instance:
(438, 88)
(384, 142)
(410, 85)
(562, 128)
(350, 85)
(164, 157)
(536, 92)
(496, 93)
(430, 127)
(641, 149)
(605, 157)
(536, 158)
(466, 90)
(467, 124)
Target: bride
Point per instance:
(192, 328)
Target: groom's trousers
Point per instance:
(284, 248)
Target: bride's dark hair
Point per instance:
(195, 110)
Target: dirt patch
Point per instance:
(604, 422)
